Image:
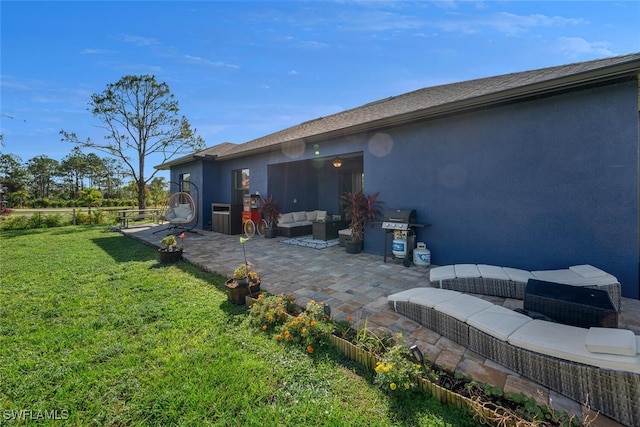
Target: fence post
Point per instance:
(74, 216)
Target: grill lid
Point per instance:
(398, 219)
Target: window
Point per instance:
(240, 185)
(185, 182)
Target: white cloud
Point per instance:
(89, 51)
(207, 62)
(578, 46)
(506, 23)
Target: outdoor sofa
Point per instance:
(294, 224)
(599, 367)
(511, 282)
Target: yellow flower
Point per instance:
(392, 386)
(407, 386)
(264, 327)
(388, 368)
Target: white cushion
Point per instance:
(466, 270)
(181, 212)
(587, 271)
(345, 232)
(498, 321)
(492, 272)
(611, 341)
(405, 295)
(311, 215)
(285, 218)
(429, 297)
(568, 342)
(518, 275)
(462, 306)
(569, 277)
(321, 215)
(299, 216)
(442, 273)
(185, 205)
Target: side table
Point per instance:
(327, 230)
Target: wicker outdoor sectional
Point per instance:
(511, 282)
(599, 367)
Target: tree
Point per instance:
(12, 175)
(74, 168)
(141, 119)
(42, 170)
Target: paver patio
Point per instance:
(358, 286)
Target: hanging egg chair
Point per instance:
(180, 210)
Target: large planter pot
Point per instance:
(353, 246)
(167, 257)
(270, 233)
(237, 291)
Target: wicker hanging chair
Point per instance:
(181, 211)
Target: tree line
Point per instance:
(78, 179)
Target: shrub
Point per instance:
(271, 311)
(396, 371)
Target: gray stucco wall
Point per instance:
(543, 184)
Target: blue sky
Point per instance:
(241, 70)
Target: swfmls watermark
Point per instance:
(34, 415)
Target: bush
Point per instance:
(396, 371)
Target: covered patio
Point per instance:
(358, 286)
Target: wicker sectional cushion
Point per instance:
(466, 270)
(498, 321)
(430, 297)
(568, 343)
(405, 295)
(517, 275)
(442, 273)
(285, 218)
(492, 272)
(587, 271)
(611, 341)
(462, 306)
(570, 277)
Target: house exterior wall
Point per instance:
(538, 185)
(542, 184)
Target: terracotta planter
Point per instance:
(238, 291)
(166, 257)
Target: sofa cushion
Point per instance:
(587, 271)
(611, 341)
(405, 295)
(442, 273)
(299, 216)
(429, 297)
(181, 213)
(311, 215)
(462, 306)
(466, 270)
(492, 272)
(285, 218)
(568, 342)
(517, 275)
(321, 215)
(498, 321)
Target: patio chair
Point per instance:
(180, 210)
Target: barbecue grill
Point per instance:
(401, 222)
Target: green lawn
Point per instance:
(94, 331)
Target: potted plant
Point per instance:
(359, 210)
(171, 252)
(271, 213)
(245, 281)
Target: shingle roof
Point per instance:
(208, 153)
(431, 102)
(435, 100)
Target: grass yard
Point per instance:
(93, 331)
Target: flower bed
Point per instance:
(396, 371)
